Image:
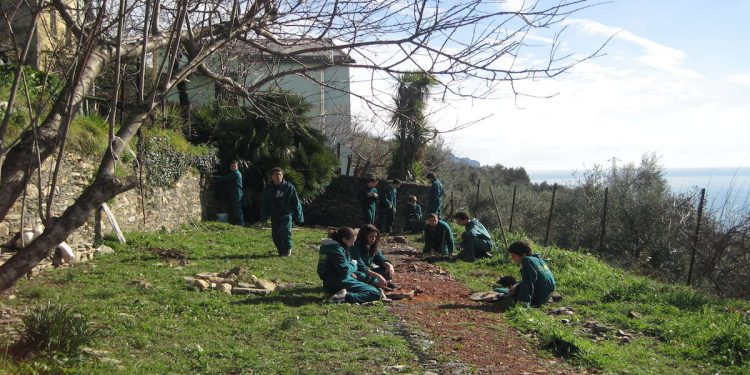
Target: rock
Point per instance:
(567, 310)
(243, 285)
(12, 296)
(400, 239)
(109, 361)
(625, 339)
(565, 321)
(634, 314)
(244, 291)
(104, 249)
(266, 284)
(236, 271)
(201, 284)
(205, 275)
(485, 296)
(224, 287)
(396, 368)
(4, 229)
(556, 296)
(143, 284)
(599, 329)
(400, 295)
(221, 280)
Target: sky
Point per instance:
(674, 81)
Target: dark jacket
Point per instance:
(537, 282)
(334, 263)
(361, 254)
(439, 238)
(281, 200)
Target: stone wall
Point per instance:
(338, 205)
(166, 208)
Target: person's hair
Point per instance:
(234, 161)
(507, 281)
(433, 215)
(412, 198)
(519, 248)
(365, 231)
(371, 179)
(277, 169)
(462, 215)
(396, 182)
(431, 175)
(340, 234)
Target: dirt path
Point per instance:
(470, 332)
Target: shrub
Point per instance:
(52, 329)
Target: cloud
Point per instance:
(655, 55)
(513, 5)
(743, 79)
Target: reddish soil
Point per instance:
(472, 333)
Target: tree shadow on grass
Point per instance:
(294, 297)
(487, 307)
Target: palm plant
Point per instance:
(410, 122)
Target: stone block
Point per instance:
(245, 291)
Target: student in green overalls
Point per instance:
(339, 271)
(370, 259)
(387, 210)
(438, 236)
(436, 194)
(233, 180)
(281, 203)
(476, 241)
(368, 199)
(537, 282)
(413, 216)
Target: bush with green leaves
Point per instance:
(51, 329)
(167, 155)
(273, 132)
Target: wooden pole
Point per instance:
(512, 209)
(604, 219)
(549, 219)
(476, 199)
(695, 237)
(499, 220)
(348, 164)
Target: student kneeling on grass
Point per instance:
(438, 236)
(378, 270)
(537, 282)
(476, 241)
(339, 272)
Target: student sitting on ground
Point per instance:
(476, 241)
(338, 271)
(438, 236)
(413, 216)
(537, 282)
(377, 268)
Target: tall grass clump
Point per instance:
(52, 330)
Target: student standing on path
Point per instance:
(436, 194)
(368, 198)
(438, 236)
(233, 180)
(370, 259)
(537, 282)
(388, 206)
(281, 203)
(476, 241)
(338, 271)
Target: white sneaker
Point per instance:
(338, 297)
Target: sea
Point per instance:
(727, 188)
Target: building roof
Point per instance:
(311, 50)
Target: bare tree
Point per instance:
(457, 42)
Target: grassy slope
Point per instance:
(681, 331)
(171, 329)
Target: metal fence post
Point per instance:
(512, 209)
(604, 219)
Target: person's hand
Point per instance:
(354, 276)
(389, 270)
(380, 281)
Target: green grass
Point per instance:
(680, 331)
(170, 329)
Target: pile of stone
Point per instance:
(228, 282)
